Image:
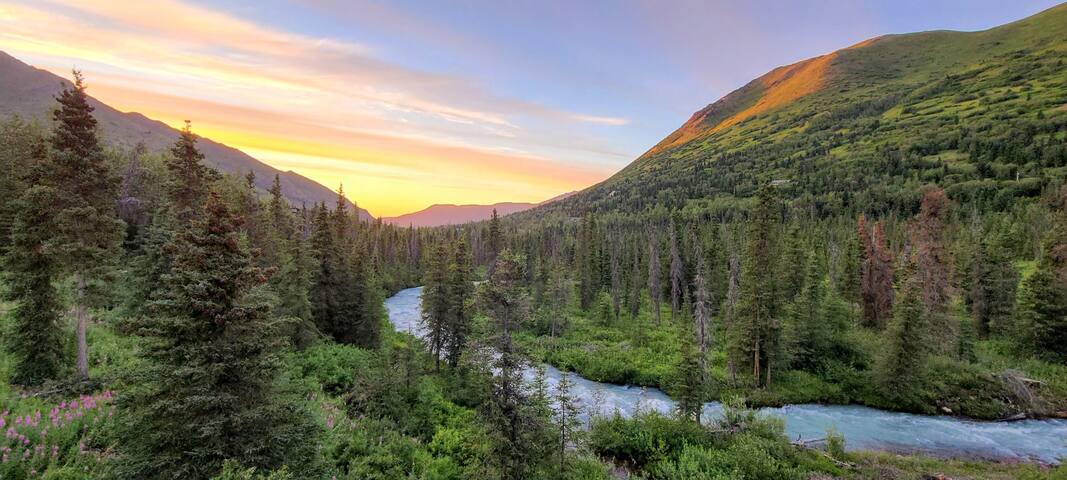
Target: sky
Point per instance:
(411, 103)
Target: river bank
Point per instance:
(863, 428)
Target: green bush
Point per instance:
(333, 366)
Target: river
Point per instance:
(864, 428)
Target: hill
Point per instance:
(982, 114)
(447, 214)
(30, 93)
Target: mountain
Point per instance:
(30, 93)
(447, 214)
(982, 114)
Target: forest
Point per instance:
(164, 320)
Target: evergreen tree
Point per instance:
(755, 331)
(817, 322)
(654, 291)
(794, 260)
(460, 293)
(34, 338)
(494, 242)
(604, 314)
(558, 297)
(585, 258)
(187, 186)
(518, 430)
(690, 374)
(852, 257)
(87, 233)
(364, 305)
(899, 369)
(22, 148)
(616, 283)
(292, 285)
(993, 282)
(702, 313)
(436, 301)
(207, 391)
(1043, 299)
(278, 207)
(328, 279)
(190, 178)
(677, 275)
(633, 300)
(566, 416)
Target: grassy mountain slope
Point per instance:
(30, 93)
(983, 114)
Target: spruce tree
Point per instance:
(900, 367)
(494, 242)
(187, 186)
(993, 282)
(87, 233)
(585, 258)
(34, 338)
(278, 208)
(690, 374)
(436, 301)
(1043, 299)
(363, 301)
(518, 431)
(292, 284)
(207, 390)
(460, 298)
(794, 260)
(328, 277)
(849, 284)
(677, 274)
(566, 416)
(22, 148)
(816, 321)
(654, 292)
(190, 180)
(756, 329)
(633, 300)
(702, 312)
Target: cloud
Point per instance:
(614, 121)
(306, 95)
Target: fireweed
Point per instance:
(35, 441)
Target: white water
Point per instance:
(863, 428)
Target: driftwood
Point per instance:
(809, 445)
(1014, 418)
(811, 441)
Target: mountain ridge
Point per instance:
(29, 92)
(441, 214)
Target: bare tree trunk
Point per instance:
(755, 363)
(81, 316)
(768, 372)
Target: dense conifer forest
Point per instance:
(162, 319)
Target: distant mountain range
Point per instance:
(447, 214)
(30, 93)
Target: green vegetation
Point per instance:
(871, 239)
(743, 444)
(893, 235)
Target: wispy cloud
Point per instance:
(285, 94)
